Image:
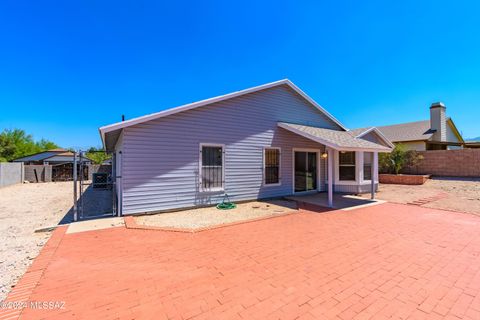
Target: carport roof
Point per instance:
(339, 140)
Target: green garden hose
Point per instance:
(226, 204)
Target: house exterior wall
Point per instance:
(360, 185)
(373, 137)
(160, 158)
(452, 137)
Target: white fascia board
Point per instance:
(123, 124)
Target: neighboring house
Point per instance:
(472, 143)
(438, 133)
(263, 142)
(60, 160)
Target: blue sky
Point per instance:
(69, 67)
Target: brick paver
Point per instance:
(380, 262)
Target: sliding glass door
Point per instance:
(305, 166)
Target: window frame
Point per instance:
(371, 164)
(347, 165)
(200, 165)
(264, 175)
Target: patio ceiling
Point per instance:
(338, 140)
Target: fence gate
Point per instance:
(93, 189)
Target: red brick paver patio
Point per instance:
(385, 261)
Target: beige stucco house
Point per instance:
(437, 133)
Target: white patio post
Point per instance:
(374, 168)
(330, 177)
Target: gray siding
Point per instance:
(160, 158)
(373, 137)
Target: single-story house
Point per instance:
(263, 142)
(437, 133)
(52, 156)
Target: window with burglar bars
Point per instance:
(212, 168)
(367, 165)
(271, 166)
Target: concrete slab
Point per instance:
(97, 224)
(340, 201)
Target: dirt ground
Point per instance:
(23, 209)
(457, 194)
(211, 216)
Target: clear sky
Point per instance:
(69, 67)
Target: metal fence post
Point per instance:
(75, 213)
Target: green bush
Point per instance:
(399, 159)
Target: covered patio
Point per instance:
(340, 201)
(351, 159)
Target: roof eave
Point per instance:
(164, 113)
(330, 144)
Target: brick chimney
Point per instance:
(438, 121)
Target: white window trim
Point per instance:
(318, 152)
(279, 168)
(337, 169)
(374, 159)
(202, 189)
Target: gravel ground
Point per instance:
(23, 209)
(460, 194)
(211, 216)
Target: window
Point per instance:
(271, 160)
(211, 167)
(347, 166)
(367, 165)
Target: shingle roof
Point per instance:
(113, 129)
(410, 131)
(340, 140)
(359, 131)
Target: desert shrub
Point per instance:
(399, 159)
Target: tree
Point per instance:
(16, 143)
(398, 159)
(97, 155)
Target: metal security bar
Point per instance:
(272, 166)
(212, 167)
